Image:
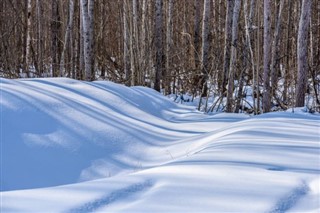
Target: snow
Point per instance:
(73, 146)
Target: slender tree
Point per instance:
(87, 8)
(227, 46)
(205, 48)
(302, 52)
(166, 71)
(266, 56)
(234, 37)
(67, 37)
(158, 44)
(275, 49)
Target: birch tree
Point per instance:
(302, 53)
(87, 9)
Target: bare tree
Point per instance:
(55, 28)
(266, 56)
(227, 46)
(67, 37)
(166, 71)
(302, 53)
(126, 54)
(87, 8)
(205, 48)
(275, 49)
(158, 45)
(235, 23)
(27, 37)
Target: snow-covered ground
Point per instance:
(72, 146)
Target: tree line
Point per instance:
(204, 47)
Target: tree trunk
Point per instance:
(166, 71)
(87, 7)
(134, 45)
(275, 51)
(266, 56)
(39, 35)
(67, 37)
(55, 26)
(197, 28)
(205, 48)
(143, 52)
(302, 52)
(126, 54)
(233, 57)
(286, 73)
(27, 37)
(227, 47)
(158, 44)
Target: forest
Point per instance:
(205, 48)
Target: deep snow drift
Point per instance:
(71, 146)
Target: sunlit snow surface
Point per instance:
(72, 146)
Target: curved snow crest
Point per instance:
(58, 131)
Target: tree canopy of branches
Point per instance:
(204, 47)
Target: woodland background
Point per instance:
(203, 47)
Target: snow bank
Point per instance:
(144, 153)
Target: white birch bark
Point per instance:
(87, 7)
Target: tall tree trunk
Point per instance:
(275, 50)
(166, 71)
(197, 28)
(134, 45)
(67, 37)
(266, 56)
(39, 35)
(233, 57)
(126, 54)
(302, 52)
(248, 18)
(158, 45)
(205, 47)
(143, 52)
(227, 47)
(288, 44)
(87, 8)
(55, 27)
(27, 37)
